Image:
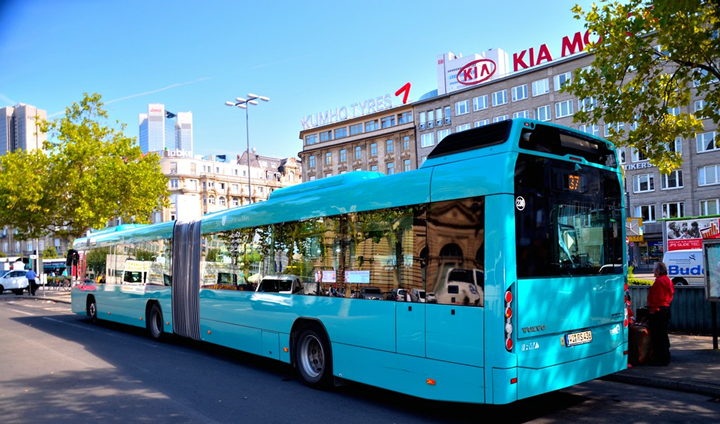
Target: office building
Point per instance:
(19, 128)
(162, 130)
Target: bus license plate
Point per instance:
(574, 339)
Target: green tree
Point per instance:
(49, 253)
(651, 58)
(88, 174)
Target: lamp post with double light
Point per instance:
(252, 99)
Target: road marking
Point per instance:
(22, 312)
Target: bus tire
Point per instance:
(313, 357)
(91, 309)
(154, 321)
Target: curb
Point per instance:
(688, 386)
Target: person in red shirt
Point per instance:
(659, 298)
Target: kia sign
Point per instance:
(476, 72)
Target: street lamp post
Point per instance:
(243, 104)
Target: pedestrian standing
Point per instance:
(659, 298)
(32, 285)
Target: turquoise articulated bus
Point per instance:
(475, 278)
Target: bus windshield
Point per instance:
(570, 221)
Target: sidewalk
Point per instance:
(694, 368)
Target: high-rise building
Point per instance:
(162, 130)
(19, 128)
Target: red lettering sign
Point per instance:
(476, 72)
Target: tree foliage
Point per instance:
(87, 175)
(651, 58)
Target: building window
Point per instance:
(343, 156)
(221, 201)
(325, 136)
(373, 150)
(462, 127)
(521, 114)
(673, 210)
(374, 168)
(427, 140)
(638, 155)
(461, 108)
(422, 118)
(590, 129)
(173, 167)
(328, 158)
(431, 118)
(174, 183)
(499, 97)
(439, 116)
(672, 180)
(587, 104)
(371, 125)
(706, 142)
(480, 102)
(563, 109)
(540, 87)
(447, 115)
(235, 201)
(561, 80)
(675, 146)
(710, 207)
(647, 213)
(406, 165)
(406, 143)
(388, 121)
(390, 168)
(615, 127)
(519, 93)
(442, 134)
(356, 129)
(358, 152)
(543, 113)
(674, 111)
(481, 123)
(341, 132)
(389, 147)
(405, 118)
(311, 139)
(643, 183)
(500, 118)
(708, 175)
(311, 162)
(699, 106)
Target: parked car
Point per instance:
(462, 287)
(418, 295)
(372, 293)
(287, 284)
(15, 280)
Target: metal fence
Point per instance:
(690, 312)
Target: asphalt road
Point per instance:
(58, 368)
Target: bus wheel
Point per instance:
(91, 309)
(154, 322)
(313, 357)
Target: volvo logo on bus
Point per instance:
(476, 72)
(534, 329)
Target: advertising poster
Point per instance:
(690, 233)
(712, 265)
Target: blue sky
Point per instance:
(307, 56)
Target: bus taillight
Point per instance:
(508, 320)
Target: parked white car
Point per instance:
(15, 280)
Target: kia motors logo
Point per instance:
(476, 72)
